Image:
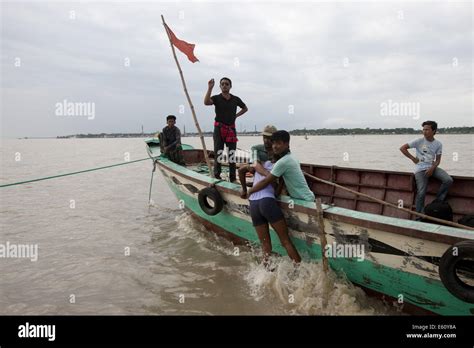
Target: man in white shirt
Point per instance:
(428, 157)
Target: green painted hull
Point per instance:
(399, 282)
(422, 292)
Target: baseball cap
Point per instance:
(269, 130)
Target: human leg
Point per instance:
(272, 212)
(218, 148)
(232, 165)
(162, 144)
(446, 182)
(281, 229)
(421, 185)
(262, 229)
(176, 155)
(263, 233)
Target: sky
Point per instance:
(294, 64)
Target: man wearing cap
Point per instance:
(260, 152)
(224, 123)
(170, 141)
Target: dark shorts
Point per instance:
(264, 211)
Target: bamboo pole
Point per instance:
(322, 234)
(189, 100)
(445, 222)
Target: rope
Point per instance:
(73, 173)
(151, 181)
(445, 222)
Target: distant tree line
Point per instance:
(109, 135)
(357, 131)
(322, 131)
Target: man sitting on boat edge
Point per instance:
(170, 141)
(427, 160)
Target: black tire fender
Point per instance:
(447, 270)
(210, 193)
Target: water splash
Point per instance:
(307, 289)
(304, 289)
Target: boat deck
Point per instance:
(391, 186)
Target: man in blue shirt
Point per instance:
(428, 157)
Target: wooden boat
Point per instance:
(416, 264)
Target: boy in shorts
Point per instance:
(265, 211)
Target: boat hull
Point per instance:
(400, 256)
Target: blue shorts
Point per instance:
(264, 211)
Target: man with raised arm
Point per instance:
(224, 124)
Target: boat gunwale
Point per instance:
(375, 171)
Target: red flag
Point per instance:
(183, 46)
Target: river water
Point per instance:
(102, 249)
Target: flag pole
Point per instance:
(206, 157)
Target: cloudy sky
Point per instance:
(296, 65)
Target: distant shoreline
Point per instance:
(301, 132)
(295, 132)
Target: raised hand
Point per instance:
(211, 83)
